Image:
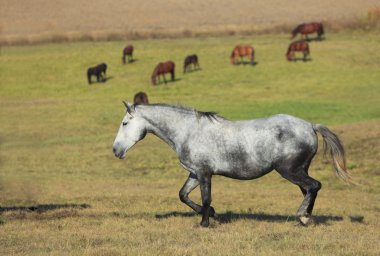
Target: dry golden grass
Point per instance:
(62, 192)
(23, 22)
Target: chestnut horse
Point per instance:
(241, 51)
(309, 28)
(161, 69)
(128, 51)
(140, 98)
(298, 46)
(191, 59)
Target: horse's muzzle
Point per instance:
(118, 153)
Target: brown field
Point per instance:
(25, 21)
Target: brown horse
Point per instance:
(297, 46)
(128, 51)
(97, 71)
(161, 69)
(241, 51)
(191, 59)
(140, 98)
(309, 28)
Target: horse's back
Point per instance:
(128, 49)
(243, 50)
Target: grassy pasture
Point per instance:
(63, 192)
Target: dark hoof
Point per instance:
(205, 223)
(212, 212)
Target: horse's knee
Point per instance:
(183, 196)
(314, 187)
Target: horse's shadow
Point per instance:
(315, 39)
(132, 61)
(40, 208)
(247, 63)
(193, 70)
(162, 82)
(301, 59)
(107, 78)
(228, 217)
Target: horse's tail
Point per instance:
(333, 145)
(173, 72)
(321, 30)
(89, 76)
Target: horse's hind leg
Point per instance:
(308, 186)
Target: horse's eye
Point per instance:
(125, 123)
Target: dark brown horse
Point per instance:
(297, 46)
(128, 51)
(191, 59)
(140, 98)
(309, 28)
(241, 51)
(97, 71)
(161, 69)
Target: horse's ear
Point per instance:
(130, 107)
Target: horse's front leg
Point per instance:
(163, 75)
(205, 183)
(190, 184)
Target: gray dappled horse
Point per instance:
(208, 144)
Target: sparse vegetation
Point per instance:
(136, 20)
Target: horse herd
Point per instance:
(191, 61)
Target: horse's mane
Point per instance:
(199, 114)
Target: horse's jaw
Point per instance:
(120, 149)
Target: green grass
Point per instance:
(56, 135)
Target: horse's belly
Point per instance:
(243, 170)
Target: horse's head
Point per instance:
(132, 129)
(289, 56)
(155, 74)
(232, 58)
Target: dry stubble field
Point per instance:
(60, 20)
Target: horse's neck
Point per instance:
(170, 125)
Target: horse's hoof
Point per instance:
(305, 220)
(212, 212)
(205, 223)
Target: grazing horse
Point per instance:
(191, 59)
(140, 98)
(309, 28)
(297, 46)
(161, 69)
(98, 72)
(241, 51)
(128, 51)
(207, 145)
